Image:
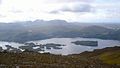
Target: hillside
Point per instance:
(102, 58)
(40, 29)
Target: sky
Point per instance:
(69, 10)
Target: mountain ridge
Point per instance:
(40, 29)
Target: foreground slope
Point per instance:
(102, 58)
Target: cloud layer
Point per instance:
(77, 8)
(0, 1)
(67, 1)
(70, 10)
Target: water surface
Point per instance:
(70, 48)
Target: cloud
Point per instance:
(70, 10)
(16, 11)
(77, 8)
(63, 1)
(2, 16)
(74, 8)
(0, 1)
(54, 12)
(107, 1)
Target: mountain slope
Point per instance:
(40, 29)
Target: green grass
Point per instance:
(111, 57)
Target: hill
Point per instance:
(102, 58)
(40, 29)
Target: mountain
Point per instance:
(34, 30)
(95, 32)
(40, 29)
(115, 35)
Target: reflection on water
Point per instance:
(67, 47)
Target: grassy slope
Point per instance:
(103, 58)
(111, 57)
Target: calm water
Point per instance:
(70, 48)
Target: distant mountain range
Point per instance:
(40, 29)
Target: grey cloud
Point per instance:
(17, 11)
(54, 12)
(74, 0)
(0, 1)
(78, 8)
(2, 16)
(75, 8)
(59, 1)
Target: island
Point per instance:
(40, 47)
(86, 43)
